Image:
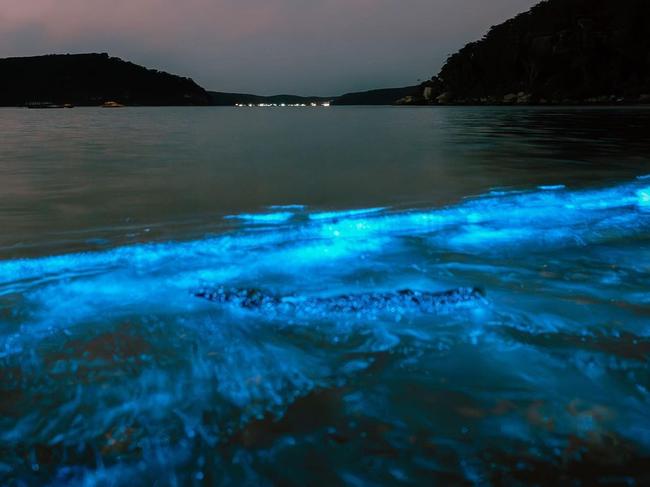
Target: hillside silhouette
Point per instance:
(560, 51)
(92, 79)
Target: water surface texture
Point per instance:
(74, 179)
(320, 228)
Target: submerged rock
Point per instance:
(405, 300)
(446, 97)
(247, 298)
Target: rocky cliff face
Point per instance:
(561, 51)
(92, 79)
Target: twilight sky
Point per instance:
(308, 47)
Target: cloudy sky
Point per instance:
(308, 47)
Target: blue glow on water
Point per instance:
(113, 369)
(644, 197)
(552, 187)
(331, 215)
(287, 207)
(277, 217)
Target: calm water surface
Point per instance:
(76, 179)
(113, 372)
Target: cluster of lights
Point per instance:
(312, 104)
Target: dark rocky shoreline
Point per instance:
(560, 52)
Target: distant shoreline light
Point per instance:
(267, 105)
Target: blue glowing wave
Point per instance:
(561, 267)
(482, 224)
(277, 217)
(332, 215)
(287, 207)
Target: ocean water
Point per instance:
(318, 367)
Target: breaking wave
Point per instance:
(112, 368)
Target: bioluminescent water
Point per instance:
(117, 370)
(345, 296)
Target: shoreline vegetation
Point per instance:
(92, 80)
(560, 52)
